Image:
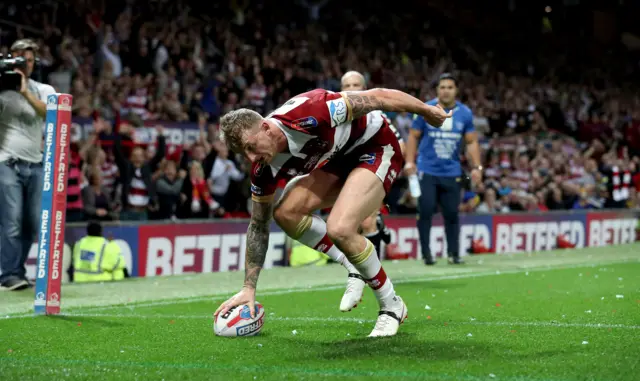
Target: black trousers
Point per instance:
(443, 192)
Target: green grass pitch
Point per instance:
(563, 315)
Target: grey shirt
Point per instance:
(21, 128)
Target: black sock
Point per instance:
(384, 232)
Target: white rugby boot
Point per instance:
(353, 294)
(390, 318)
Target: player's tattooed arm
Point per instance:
(363, 102)
(257, 242)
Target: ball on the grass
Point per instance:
(238, 322)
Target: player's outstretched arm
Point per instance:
(363, 102)
(257, 242)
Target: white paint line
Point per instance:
(224, 295)
(550, 324)
(341, 319)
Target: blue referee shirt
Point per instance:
(439, 148)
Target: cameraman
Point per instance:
(22, 115)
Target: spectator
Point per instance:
(196, 201)
(97, 203)
(490, 204)
(256, 94)
(168, 187)
(138, 190)
(172, 62)
(97, 161)
(75, 184)
(201, 151)
(223, 172)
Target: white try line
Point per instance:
(342, 319)
(226, 294)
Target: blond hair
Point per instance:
(234, 124)
(198, 168)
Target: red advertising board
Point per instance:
(218, 245)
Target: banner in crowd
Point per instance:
(177, 133)
(213, 246)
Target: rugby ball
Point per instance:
(238, 322)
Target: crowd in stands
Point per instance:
(552, 139)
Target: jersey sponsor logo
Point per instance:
(313, 160)
(256, 190)
(368, 158)
(305, 123)
(337, 111)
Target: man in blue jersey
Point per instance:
(438, 166)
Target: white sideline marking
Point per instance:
(343, 319)
(221, 295)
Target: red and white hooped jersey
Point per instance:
(318, 125)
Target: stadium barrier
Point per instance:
(170, 248)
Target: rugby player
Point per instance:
(350, 162)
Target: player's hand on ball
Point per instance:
(435, 115)
(246, 296)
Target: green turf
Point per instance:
(497, 318)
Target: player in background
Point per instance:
(438, 166)
(373, 227)
(350, 161)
